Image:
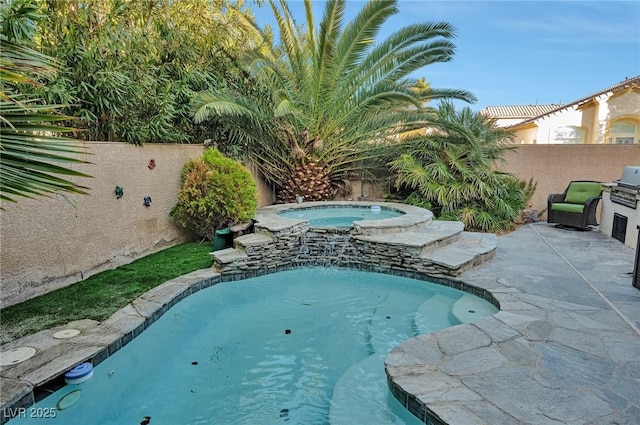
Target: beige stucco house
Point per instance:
(508, 115)
(610, 116)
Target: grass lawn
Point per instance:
(101, 295)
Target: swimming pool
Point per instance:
(303, 346)
(340, 215)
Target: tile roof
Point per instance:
(622, 85)
(518, 111)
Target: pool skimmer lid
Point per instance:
(79, 374)
(66, 333)
(16, 355)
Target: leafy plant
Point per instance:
(216, 192)
(334, 93)
(529, 189)
(31, 146)
(130, 68)
(453, 170)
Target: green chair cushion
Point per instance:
(571, 208)
(579, 192)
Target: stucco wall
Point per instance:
(626, 104)
(52, 242)
(266, 194)
(590, 122)
(625, 107)
(507, 122)
(549, 125)
(48, 243)
(554, 166)
(594, 118)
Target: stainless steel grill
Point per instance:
(627, 188)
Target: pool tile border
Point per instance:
(30, 393)
(129, 322)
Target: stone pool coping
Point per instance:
(28, 382)
(414, 217)
(554, 354)
(564, 349)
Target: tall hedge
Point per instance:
(216, 193)
(129, 68)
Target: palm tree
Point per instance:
(29, 146)
(452, 171)
(334, 91)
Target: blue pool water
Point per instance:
(342, 216)
(304, 346)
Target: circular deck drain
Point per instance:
(16, 355)
(66, 333)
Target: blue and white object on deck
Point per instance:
(79, 374)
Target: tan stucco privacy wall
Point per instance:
(52, 242)
(554, 166)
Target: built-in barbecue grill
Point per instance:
(627, 188)
(620, 215)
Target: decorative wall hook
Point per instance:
(152, 164)
(147, 201)
(119, 192)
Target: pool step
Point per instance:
(427, 322)
(471, 250)
(362, 396)
(389, 322)
(469, 308)
(393, 225)
(244, 247)
(228, 256)
(437, 234)
(252, 240)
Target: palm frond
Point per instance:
(337, 94)
(456, 166)
(30, 143)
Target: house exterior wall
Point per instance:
(548, 126)
(49, 243)
(594, 119)
(622, 107)
(590, 121)
(508, 122)
(526, 136)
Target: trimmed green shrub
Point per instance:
(216, 193)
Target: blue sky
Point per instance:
(521, 52)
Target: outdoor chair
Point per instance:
(576, 206)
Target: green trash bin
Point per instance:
(223, 239)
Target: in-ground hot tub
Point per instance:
(339, 215)
(355, 217)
